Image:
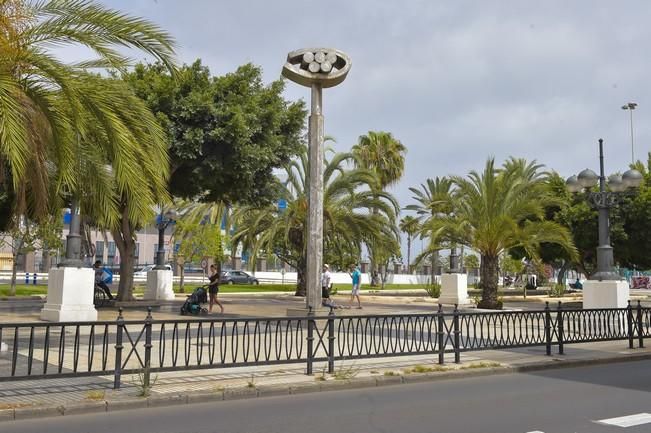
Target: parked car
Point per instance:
(143, 272)
(237, 277)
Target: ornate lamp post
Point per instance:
(604, 200)
(316, 68)
(164, 221)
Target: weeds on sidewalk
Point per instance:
(140, 382)
(391, 373)
(96, 395)
(482, 364)
(251, 383)
(321, 377)
(423, 369)
(345, 373)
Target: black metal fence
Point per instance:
(116, 348)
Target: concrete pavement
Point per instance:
(55, 396)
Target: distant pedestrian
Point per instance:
(325, 285)
(213, 288)
(356, 276)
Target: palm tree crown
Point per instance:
(498, 210)
(349, 195)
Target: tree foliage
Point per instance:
(350, 195)
(226, 134)
(497, 210)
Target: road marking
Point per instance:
(536, 431)
(628, 421)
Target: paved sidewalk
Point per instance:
(49, 397)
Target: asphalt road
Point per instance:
(569, 400)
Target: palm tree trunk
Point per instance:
(14, 268)
(489, 276)
(435, 263)
(301, 283)
(182, 282)
(124, 238)
(560, 279)
(408, 254)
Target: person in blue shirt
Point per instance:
(356, 276)
(99, 280)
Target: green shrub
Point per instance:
(557, 290)
(433, 290)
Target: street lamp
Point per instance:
(316, 68)
(630, 107)
(164, 220)
(603, 200)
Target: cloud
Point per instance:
(455, 81)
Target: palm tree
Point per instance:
(383, 154)
(433, 200)
(410, 226)
(498, 210)
(67, 132)
(349, 195)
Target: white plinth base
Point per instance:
(70, 293)
(454, 289)
(605, 294)
(3, 347)
(159, 286)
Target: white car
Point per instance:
(143, 272)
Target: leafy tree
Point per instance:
(226, 134)
(383, 154)
(497, 210)
(20, 239)
(48, 232)
(410, 226)
(349, 196)
(197, 240)
(471, 261)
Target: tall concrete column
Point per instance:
(317, 68)
(315, 201)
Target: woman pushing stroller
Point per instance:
(213, 288)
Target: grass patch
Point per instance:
(96, 395)
(24, 289)
(391, 373)
(483, 364)
(425, 369)
(241, 288)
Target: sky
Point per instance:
(455, 81)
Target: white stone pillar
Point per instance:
(159, 285)
(70, 295)
(454, 289)
(605, 294)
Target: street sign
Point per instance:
(204, 263)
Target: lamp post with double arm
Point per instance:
(611, 191)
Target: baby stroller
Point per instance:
(192, 304)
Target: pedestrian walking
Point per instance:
(325, 285)
(356, 276)
(213, 289)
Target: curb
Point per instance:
(262, 391)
